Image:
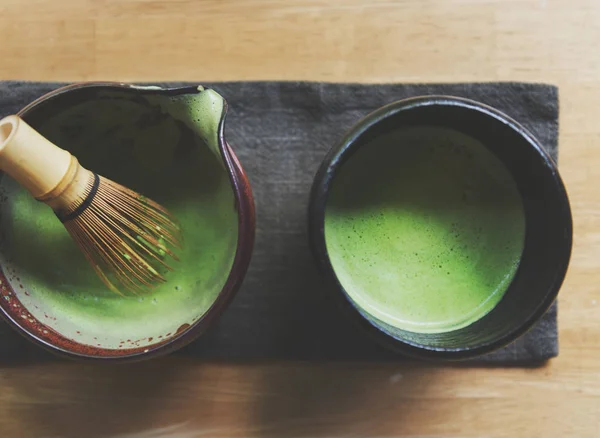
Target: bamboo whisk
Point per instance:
(123, 235)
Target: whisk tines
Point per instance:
(125, 236)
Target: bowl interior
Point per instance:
(149, 144)
(444, 226)
(425, 229)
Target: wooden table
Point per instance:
(336, 40)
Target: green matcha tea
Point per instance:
(163, 148)
(425, 228)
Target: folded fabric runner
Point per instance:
(281, 131)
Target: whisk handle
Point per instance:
(30, 159)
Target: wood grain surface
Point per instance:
(334, 40)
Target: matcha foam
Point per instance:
(425, 229)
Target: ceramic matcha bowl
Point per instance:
(442, 225)
(167, 144)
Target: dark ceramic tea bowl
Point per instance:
(167, 144)
(442, 227)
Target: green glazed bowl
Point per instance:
(167, 144)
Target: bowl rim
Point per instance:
(244, 206)
(318, 197)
